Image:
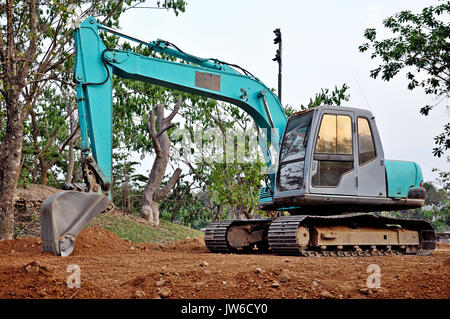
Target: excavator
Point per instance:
(331, 171)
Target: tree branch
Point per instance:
(165, 129)
(112, 11)
(162, 193)
(53, 136)
(67, 141)
(196, 173)
(154, 135)
(168, 119)
(31, 51)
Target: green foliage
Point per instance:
(421, 47)
(184, 206)
(230, 179)
(436, 209)
(236, 184)
(127, 185)
(444, 179)
(324, 97)
(45, 131)
(437, 206)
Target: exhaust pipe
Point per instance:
(63, 217)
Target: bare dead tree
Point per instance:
(153, 192)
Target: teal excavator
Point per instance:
(331, 169)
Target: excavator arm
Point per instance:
(95, 64)
(65, 214)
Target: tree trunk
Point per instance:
(70, 165)
(71, 155)
(44, 174)
(13, 75)
(153, 194)
(10, 156)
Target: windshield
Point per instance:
(292, 154)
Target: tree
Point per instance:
(186, 206)
(51, 128)
(324, 97)
(127, 184)
(16, 58)
(35, 45)
(153, 193)
(420, 47)
(224, 164)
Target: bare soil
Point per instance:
(111, 267)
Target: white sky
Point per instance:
(320, 50)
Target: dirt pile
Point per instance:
(34, 193)
(22, 246)
(96, 240)
(111, 267)
(187, 245)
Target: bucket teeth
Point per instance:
(63, 217)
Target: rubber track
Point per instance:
(282, 235)
(216, 236)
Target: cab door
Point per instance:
(333, 165)
(370, 163)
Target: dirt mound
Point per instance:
(91, 241)
(35, 193)
(188, 245)
(28, 246)
(97, 240)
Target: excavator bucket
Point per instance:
(63, 217)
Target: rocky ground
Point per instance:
(111, 267)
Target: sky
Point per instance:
(320, 50)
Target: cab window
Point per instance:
(333, 151)
(366, 147)
(335, 135)
(293, 151)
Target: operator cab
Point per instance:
(331, 161)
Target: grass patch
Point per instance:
(137, 231)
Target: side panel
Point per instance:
(401, 176)
(372, 179)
